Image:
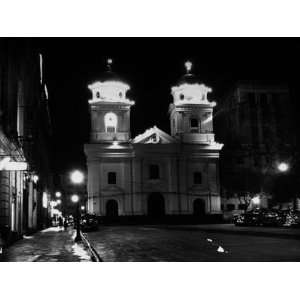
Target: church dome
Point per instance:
(188, 79)
(109, 88)
(108, 75)
(189, 89)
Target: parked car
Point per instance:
(291, 218)
(260, 217)
(89, 222)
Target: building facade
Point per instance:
(255, 123)
(24, 139)
(154, 174)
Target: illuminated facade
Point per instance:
(25, 176)
(154, 174)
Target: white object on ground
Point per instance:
(27, 237)
(220, 249)
(209, 240)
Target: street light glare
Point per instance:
(35, 178)
(77, 177)
(283, 167)
(256, 200)
(75, 198)
(58, 194)
(58, 201)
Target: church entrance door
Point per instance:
(112, 208)
(156, 205)
(199, 207)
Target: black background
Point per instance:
(151, 66)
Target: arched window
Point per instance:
(181, 96)
(98, 95)
(110, 120)
(194, 124)
(197, 178)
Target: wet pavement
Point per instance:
(191, 243)
(53, 244)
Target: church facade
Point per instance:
(156, 173)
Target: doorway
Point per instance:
(156, 205)
(199, 207)
(112, 209)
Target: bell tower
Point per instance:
(110, 108)
(191, 112)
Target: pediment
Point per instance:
(154, 135)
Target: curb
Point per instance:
(93, 253)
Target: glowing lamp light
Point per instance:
(58, 201)
(77, 177)
(58, 194)
(75, 198)
(53, 203)
(188, 65)
(115, 143)
(256, 200)
(45, 200)
(283, 167)
(82, 207)
(35, 178)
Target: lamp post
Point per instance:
(75, 199)
(77, 178)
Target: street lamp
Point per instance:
(58, 194)
(283, 167)
(75, 199)
(77, 178)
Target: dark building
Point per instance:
(255, 123)
(25, 137)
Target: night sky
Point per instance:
(150, 67)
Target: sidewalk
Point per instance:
(50, 245)
(280, 232)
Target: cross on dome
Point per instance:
(109, 63)
(188, 65)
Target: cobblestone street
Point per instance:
(195, 243)
(50, 245)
